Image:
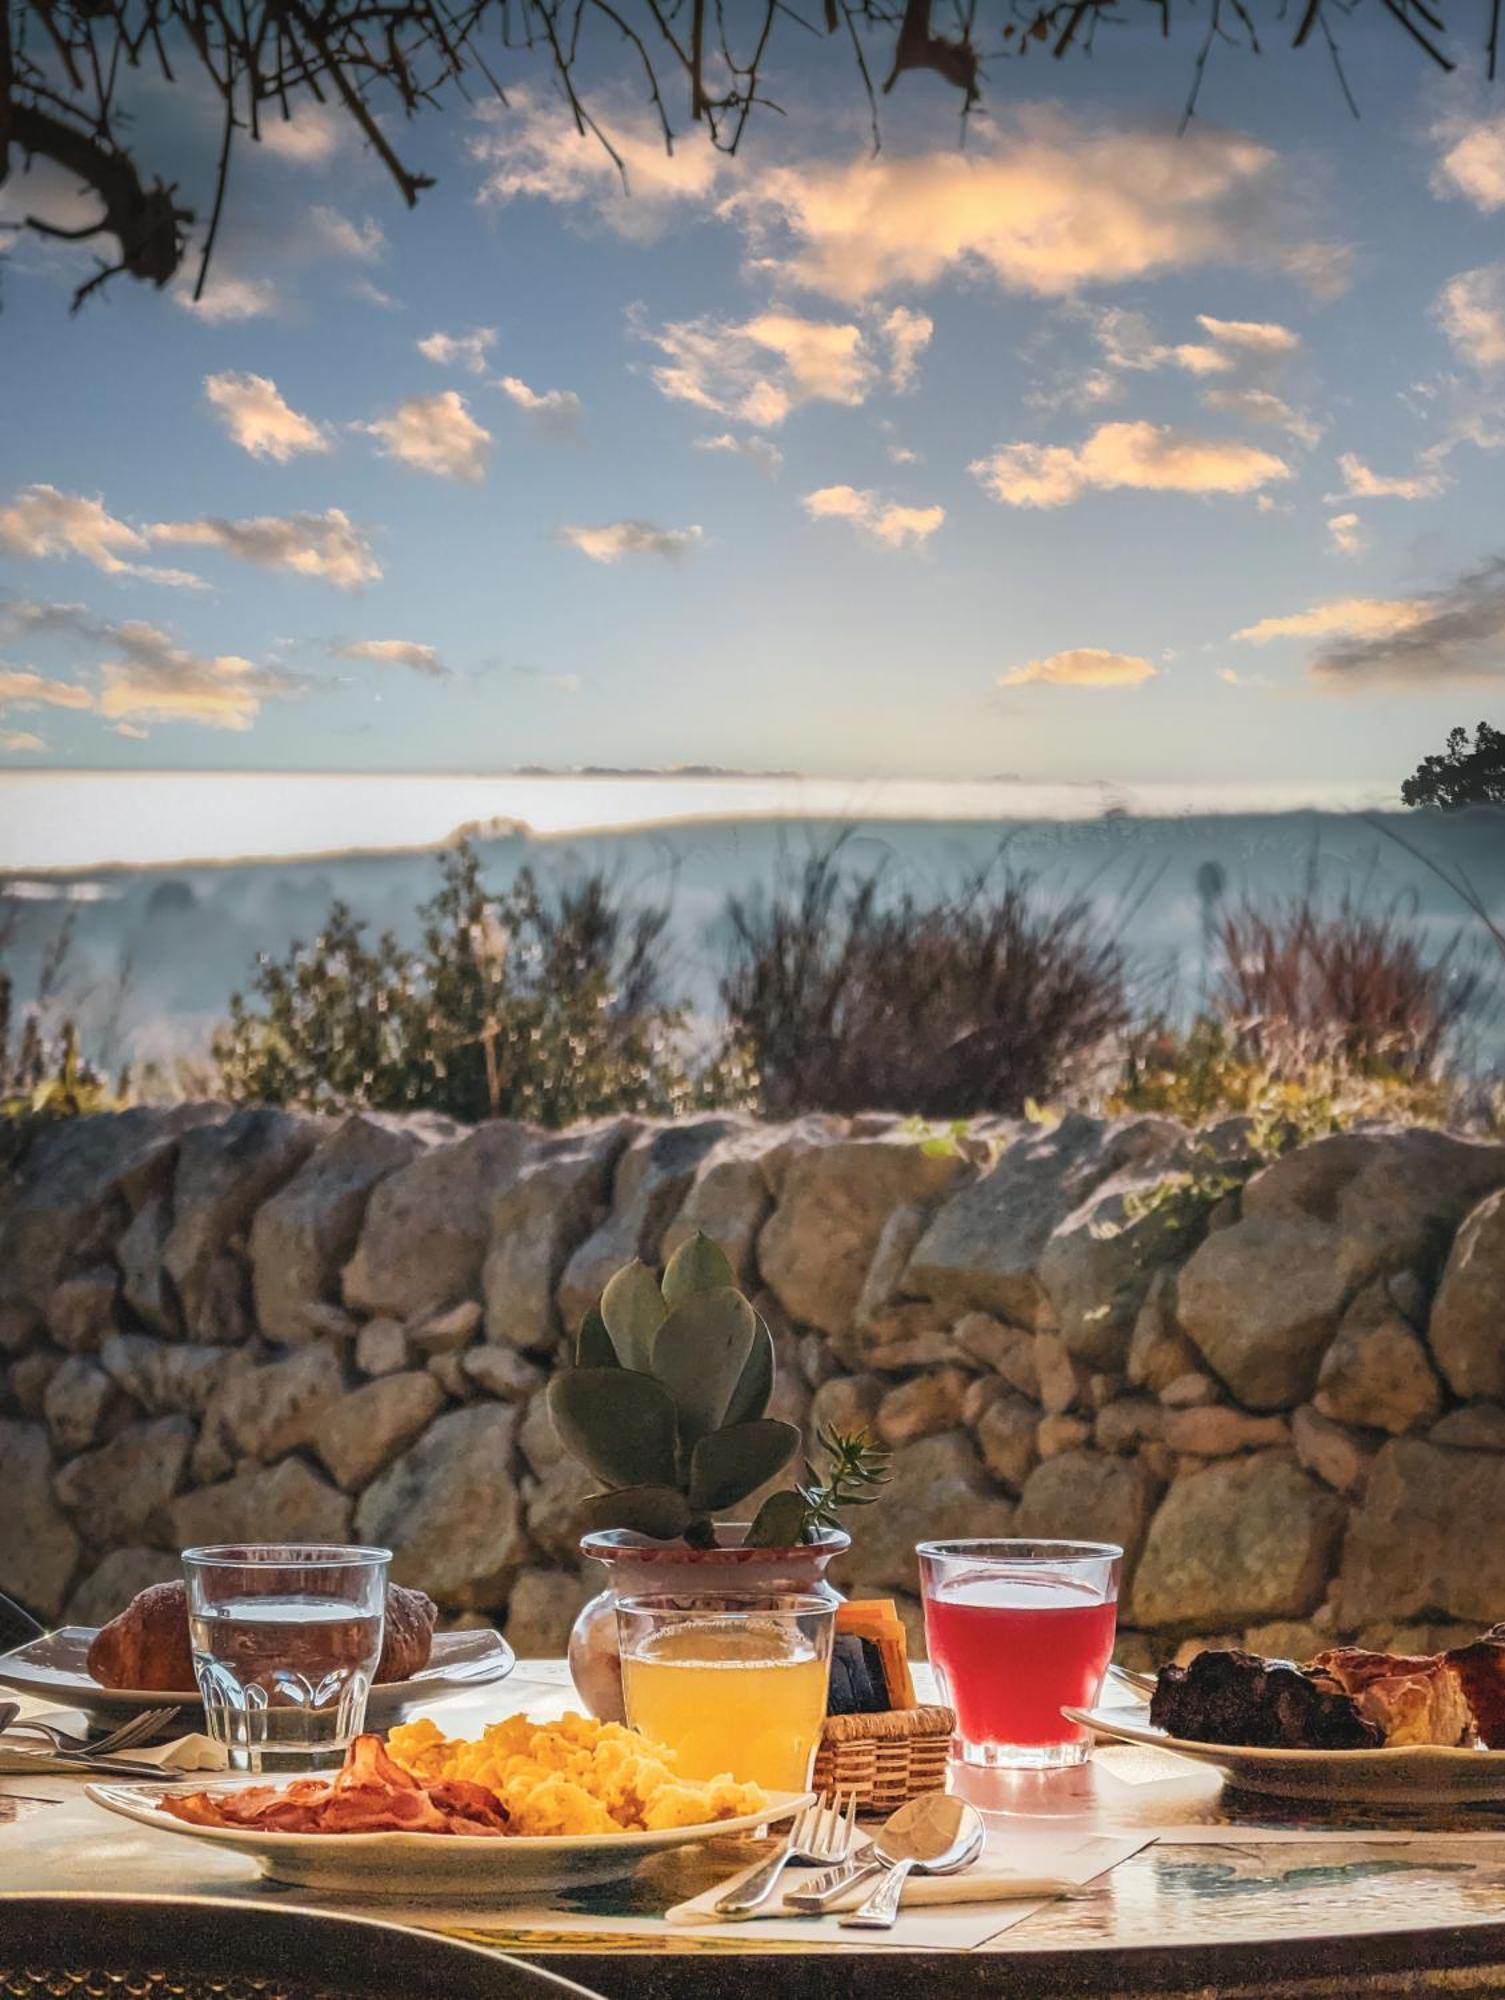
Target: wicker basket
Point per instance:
(885, 1759)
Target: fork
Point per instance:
(821, 1834)
(140, 1729)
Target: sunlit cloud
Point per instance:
(43, 522)
(1454, 636)
(227, 299)
(1471, 312)
(313, 134)
(760, 369)
(21, 740)
(1084, 666)
(906, 334)
(1264, 407)
(459, 350)
(886, 521)
(762, 451)
(1473, 164)
(22, 689)
(253, 411)
(611, 540)
(328, 546)
(1146, 457)
(336, 235)
(1346, 532)
(435, 434)
(1340, 618)
(395, 653)
(1362, 482)
(555, 411)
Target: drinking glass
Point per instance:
(1016, 1631)
(733, 1685)
(285, 1637)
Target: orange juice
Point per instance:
(730, 1698)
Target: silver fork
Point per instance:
(129, 1736)
(820, 1835)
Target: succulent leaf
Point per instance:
(779, 1522)
(699, 1353)
(698, 1265)
(659, 1511)
(633, 1309)
(618, 1423)
(729, 1464)
(755, 1385)
(593, 1348)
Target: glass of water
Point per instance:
(285, 1637)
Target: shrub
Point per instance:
(43, 1074)
(846, 997)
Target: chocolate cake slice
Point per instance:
(1235, 1697)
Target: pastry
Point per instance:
(1412, 1699)
(1481, 1668)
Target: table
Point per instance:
(1237, 1897)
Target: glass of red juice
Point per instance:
(1016, 1632)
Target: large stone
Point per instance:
(731, 1196)
(922, 1406)
(1467, 1330)
(652, 1179)
(302, 1238)
(114, 1493)
(368, 1428)
(287, 1502)
(818, 1245)
(79, 1399)
(145, 1285)
(264, 1413)
(1426, 1541)
(1006, 1438)
(847, 1403)
(81, 1313)
(38, 1547)
(1471, 1427)
(1216, 1431)
(423, 1240)
(543, 1606)
(1376, 1373)
(1340, 1457)
(381, 1347)
(167, 1376)
(115, 1580)
(553, 1485)
(224, 1172)
(1262, 1301)
(938, 1492)
(1244, 1540)
(1081, 1496)
(1159, 1351)
(551, 1208)
(1061, 1380)
(449, 1511)
(1097, 1264)
(501, 1372)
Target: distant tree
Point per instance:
(1463, 775)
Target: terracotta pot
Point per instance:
(636, 1566)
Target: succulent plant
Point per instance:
(665, 1401)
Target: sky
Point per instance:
(1078, 448)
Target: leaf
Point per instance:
(755, 1385)
(699, 1353)
(779, 1523)
(593, 1348)
(633, 1309)
(618, 1423)
(659, 1511)
(698, 1265)
(729, 1464)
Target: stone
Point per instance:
(1005, 1434)
(553, 1485)
(817, 1363)
(1191, 1391)
(1159, 1351)
(39, 1549)
(448, 1331)
(1376, 1373)
(1287, 1639)
(224, 1173)
(730, 1198)
(501, 1372)
(323, 1321)
(1104, 1388)
(114, 1492)
(1416, 1640)
(1261, 1301)
(1340, 1457)
(81, 1313)
(144, 1283)
(922, 1406)
(1053, 1435)
(818, 1246)
(169, 1376)
(423, 1239)
(1467, 1330)
(264, 1413)
(226, 1315)
(939, 1491)
(650, 1182)
(449, 1511)
(1061, 1378)
(1020, 1368)
(847, 1403)
(1423, 1544)
(30, 1376)
(381, 1347)
(1244, 1540)
(20, 1325)
(448, 1370)
(1080, 1496)
(981, 1393)
(77, 1402)
(305, 1234)
(986, 1340)
(556, 1202)
(1411, 1297)
(1123, 1426)
(544, 1604)
(286, 1502)
(109, 1587)
(882, 1322)
(368, 1428)
(1472, 1427)
(1097, 1262)
(1216, 1431)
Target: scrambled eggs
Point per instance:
(573, 1776)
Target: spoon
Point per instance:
(936, 1834)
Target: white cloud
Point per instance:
(1347, 534)
(556, 411)
(1361, 482)
(373, 295)
(900, 454)
(20, 740)
(21, 689)
(1474, 163)
(1085, 666)
(759, 370)
(459, 350)
(156, 680)
(1251, 336)
(312, 135)
(1263, 406)
(41, 521)
(328, 546)
(259, 420)
(131, 731)
(228, 298)
(886, 521)
(1143, 456)
(611, 540)
(906, 333)
(1341, 617)
(1471, 310)
(434, 434)
(362, 242)
(762, 451)
(394, 652)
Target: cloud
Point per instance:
(459, 350)
(1263, 406)
(1347, 534)
(1340, 617)
(313, 134)
(1085, 666)
(906, 334)
(886, 521)
(328, 546)
(762, 451)
(394, 652)
(260, 422)
(1453, 636)
(20, 689)
(556, 411)
(612, 540)
(1251, 336)
(227, 298)
(759, 370)
(1360, 482)
(1471, 310)
(41, 521)
(1147, 457)
(362, 242)
(373, 295)
(434, 434)
(1474, 163)
(20, 739)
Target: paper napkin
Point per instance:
(194, 1752)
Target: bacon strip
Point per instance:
(370, 1793)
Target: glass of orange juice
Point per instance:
(733, 1685)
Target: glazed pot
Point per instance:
(638, 1566)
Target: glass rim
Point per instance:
(283, 1555)
(1023, 1548)
(727, 1604)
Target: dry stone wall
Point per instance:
(1288, 1404)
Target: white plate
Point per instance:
(437, 1863)
(1418, 1774)
(55, 1668)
